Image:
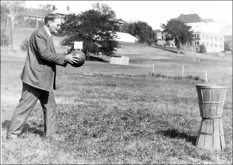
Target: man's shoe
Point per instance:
(12, 136)
(55, 137)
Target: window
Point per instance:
(211, 38)
(211, 45)
(203, 35)
(207, 44)
(220, 39)
(215, 45)
(207, 37)
(196, 43)
(203, 43)
(197, 36)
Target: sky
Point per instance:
(154, 13)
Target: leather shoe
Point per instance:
(55, 137)
(12, 136)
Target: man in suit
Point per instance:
(38, 78)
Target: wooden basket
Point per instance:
(211, 101)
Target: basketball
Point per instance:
(81, 56)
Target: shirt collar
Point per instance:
(47, 30)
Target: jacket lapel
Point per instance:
(49, 39)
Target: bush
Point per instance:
(227, 46)
(24, 44)
(149, 41)
(202, 49)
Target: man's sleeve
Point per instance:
(44, 52)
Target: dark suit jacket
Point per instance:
(40, 67)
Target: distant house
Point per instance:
(206, 32)
(34, 13)
(63, 12)
(41, 13)
(161, 39)
(125, 37)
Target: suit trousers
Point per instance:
(30, 95)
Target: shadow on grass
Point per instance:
(167, 49)
(27, 128)
(95, 58)
(174, 133)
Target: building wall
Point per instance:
(208, 34)
(161, 40)
(212, 42)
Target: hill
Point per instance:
(143, 57)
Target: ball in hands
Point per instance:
(81, 56)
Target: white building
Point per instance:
(206, 32)
(125, 37)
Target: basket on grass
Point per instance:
(211, 100)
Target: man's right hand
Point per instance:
(70, 58)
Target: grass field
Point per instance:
(113, 114)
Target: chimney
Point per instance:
(68, 8)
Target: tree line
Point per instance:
(97, 28)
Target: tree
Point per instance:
(125, 27)
(104, 9)
(202, 48)
(178, 31)
(13, 9)
(96, 30)
(227, 46)
(141, 29)
(4, 26)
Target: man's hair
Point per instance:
(50, 17)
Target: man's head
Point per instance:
(53, 22)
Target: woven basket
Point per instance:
(211, 100)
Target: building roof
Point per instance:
(125, 37)
(31, 12)
(207, 20)
(189, 18)
(63, 12)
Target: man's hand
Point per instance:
(70, 58)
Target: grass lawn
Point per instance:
(113, 114)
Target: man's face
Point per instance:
(55, 26)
